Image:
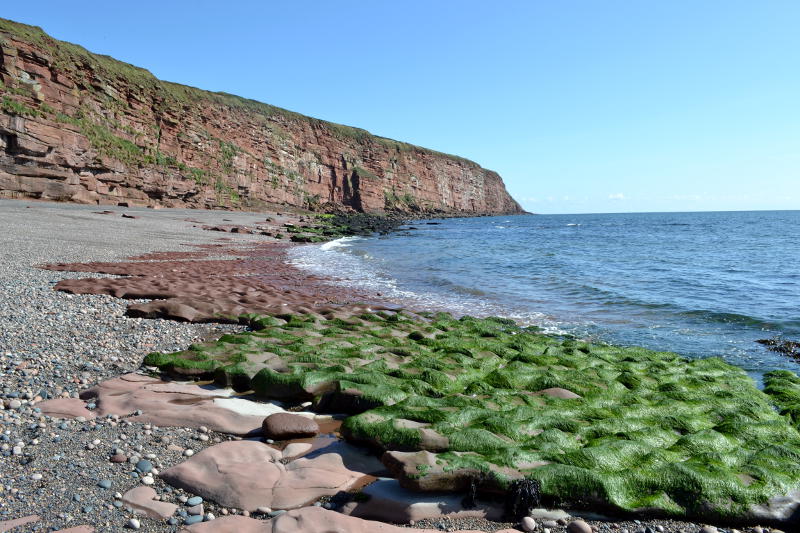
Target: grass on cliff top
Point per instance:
(68, 56)
(651, 430)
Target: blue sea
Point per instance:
(700, 284)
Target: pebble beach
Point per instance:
(61, 473)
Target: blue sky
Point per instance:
(581, 106)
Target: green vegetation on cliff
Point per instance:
(627, 428)
(75, 59)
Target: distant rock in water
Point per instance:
(782, 346)
(81, 127)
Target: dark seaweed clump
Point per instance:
(782, 346)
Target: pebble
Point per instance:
(196, 509)
(134, 524)
(144, 466)
(105, 484)
(578, 526)
(194, 500)
(528, 524)
(196, 519)
(148, 480)
(188, 452)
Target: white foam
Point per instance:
(338, 243)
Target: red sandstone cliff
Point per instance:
(80, 127)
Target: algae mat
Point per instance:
(489, 402)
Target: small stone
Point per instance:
(133, 524)
(118, 458)
(210, 517)
(550, 523)
(36, 477)
(104, 484)
(528, 524)
(264, 510)
(148, 480)
(144, 466)
(708, 529)
(14, 404)
(196, 509)
(193, 520)
(579, 526)
(194, 500)
(188, 452)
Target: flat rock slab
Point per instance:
(389, 502)
(9, 525)
(65, 408)
(140, 499)
(259, 280)
(169, 404)
(248, 475)
(306, 520)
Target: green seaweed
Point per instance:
(648, 430)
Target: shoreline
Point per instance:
(168, 243)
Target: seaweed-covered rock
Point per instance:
(622, 429)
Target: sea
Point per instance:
(699, 284)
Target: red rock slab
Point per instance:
(65, 408)
(140, 499)
(168, 256)
(306, 520)
(8, 525)
(249, 474)
(260, 281)
(167, 404)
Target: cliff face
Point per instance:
(80, 127)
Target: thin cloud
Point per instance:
(617, 196)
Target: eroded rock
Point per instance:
(248, 475)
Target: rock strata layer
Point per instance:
(81, 127)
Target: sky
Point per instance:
(581, 106)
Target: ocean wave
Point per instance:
(732, 318)
(338, 243)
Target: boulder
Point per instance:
(65, 408)
(285, 426)
(248, 475)
(169, 404)
(140, 499)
